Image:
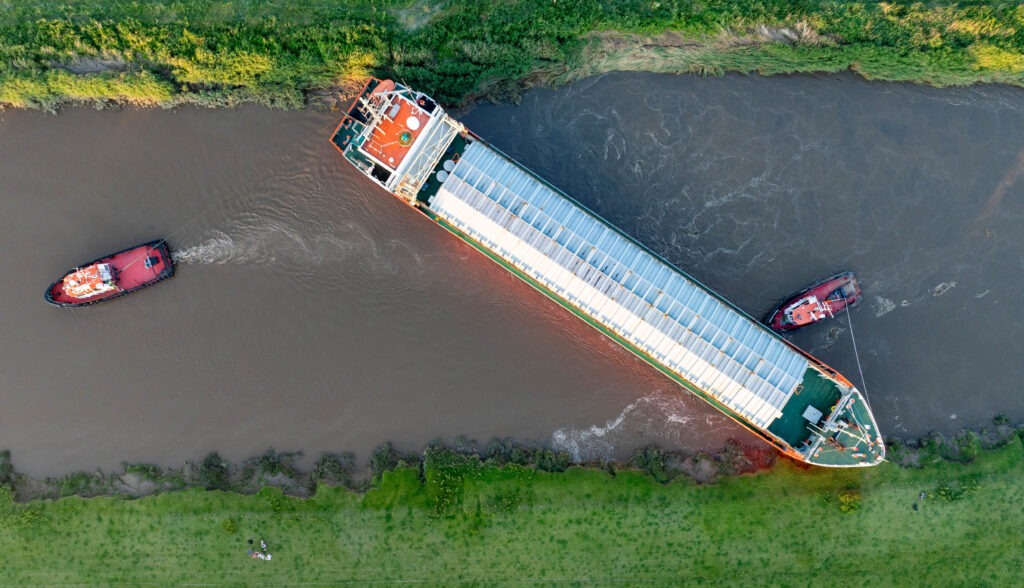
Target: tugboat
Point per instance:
(815, 303)
(112, 276)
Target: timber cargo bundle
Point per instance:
(405, 142)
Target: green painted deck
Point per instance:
(345, 134)
(851, 440)
(856, 440)
(350, 126)
(814, 391)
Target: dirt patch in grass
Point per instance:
(335, 97)
(92, 65)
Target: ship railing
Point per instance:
(830, 423)
(823, 431)
(374, 107)
(434, 144)
(808, 452)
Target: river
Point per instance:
(312, 311)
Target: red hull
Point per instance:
(841, 291)
(135, 268)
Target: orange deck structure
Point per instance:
(397, 131)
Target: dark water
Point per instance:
(312, 311)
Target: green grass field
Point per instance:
(468, 523)
(221, 52)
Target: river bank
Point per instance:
(218, 53)
(461, 517)
(285, 470)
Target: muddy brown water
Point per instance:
(311, 311)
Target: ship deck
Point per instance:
(856, 442)
(814, 391)
(853, 443)
(346, 132)
(393, 137)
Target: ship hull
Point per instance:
(136, 268)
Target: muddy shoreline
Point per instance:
(285, 470)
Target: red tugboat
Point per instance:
(112, 276)
(817, 302)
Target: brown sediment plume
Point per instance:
(1009, 179)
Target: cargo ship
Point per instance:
(403, 141)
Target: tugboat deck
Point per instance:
(135, 268)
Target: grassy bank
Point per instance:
(455, 519)
(215, 52)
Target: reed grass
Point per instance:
(218, 52)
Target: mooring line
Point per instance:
(856, 354)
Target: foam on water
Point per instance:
(883, 306)
(659, 416)
(264, 244)
(218, 249)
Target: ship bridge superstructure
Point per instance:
(396, 136)
(608, 279)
